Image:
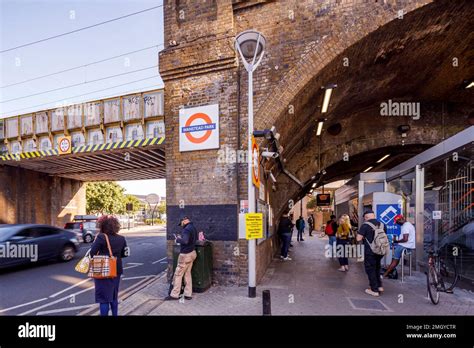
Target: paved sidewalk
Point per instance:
(142, 228)
(308, 285)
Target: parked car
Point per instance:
(25, 243)
(86, 225)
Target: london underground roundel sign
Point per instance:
(199, 128)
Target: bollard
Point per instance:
(267, 303)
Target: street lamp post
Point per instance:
(251, 45)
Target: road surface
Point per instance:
(55, 288)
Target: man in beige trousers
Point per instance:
(187, 255)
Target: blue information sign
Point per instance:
(385, 214)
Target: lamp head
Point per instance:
(247, 40)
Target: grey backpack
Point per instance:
(380, 244)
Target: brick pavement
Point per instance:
(308, 285)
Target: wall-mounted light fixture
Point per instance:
(320, 127)
(327, 96)
(383, 158)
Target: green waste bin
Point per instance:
(202, 266)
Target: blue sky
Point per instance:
(25, 21)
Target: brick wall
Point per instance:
(307, 41)
(31, 197)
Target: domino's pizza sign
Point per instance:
(199, 128)
(385, 214)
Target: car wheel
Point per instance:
(67, 253)
(88, 238)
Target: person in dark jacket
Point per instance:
(106, 290)
(285, 228)
(187, 255)
(300, 225)
(371, 260)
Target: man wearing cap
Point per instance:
(371, 260)
(406, 242)
(187, 255)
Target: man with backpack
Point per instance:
(330, 231)
(376, 244)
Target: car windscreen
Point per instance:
(6, 233)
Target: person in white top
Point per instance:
(406, 242)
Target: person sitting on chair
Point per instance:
(407, 242)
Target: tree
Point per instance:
(311, 204)
(161, 208)
(105, 198)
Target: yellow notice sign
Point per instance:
(253, 225)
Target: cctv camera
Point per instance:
(268, 154)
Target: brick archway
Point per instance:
(384, 42)
(320, 53)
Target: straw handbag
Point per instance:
(84, 264)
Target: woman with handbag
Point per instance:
(107, 252)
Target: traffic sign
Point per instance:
(64, 145)
(152, 198)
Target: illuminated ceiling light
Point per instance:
(384, 157)
(320, 127)
(365, 171)
(314, 185)
(327, 97)
(470, 85)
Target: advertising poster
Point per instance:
(78, 139)
(155, 129)
(26, 125)
(131, 107)
(133, 132)
(57, 120)
(114, 134)
(44, 143)
(95, 137)
(12, 127)
(41, 122)
(74, 116)
(153, 104)
(112, 110)
(92, 114)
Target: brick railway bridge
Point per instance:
(376, 52)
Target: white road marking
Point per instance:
(68, 309)
(164, 258)
(138, 277)
(133, 264)
(54, 302)
(69, 288)
(22, 305)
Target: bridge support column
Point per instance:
(31, 197)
